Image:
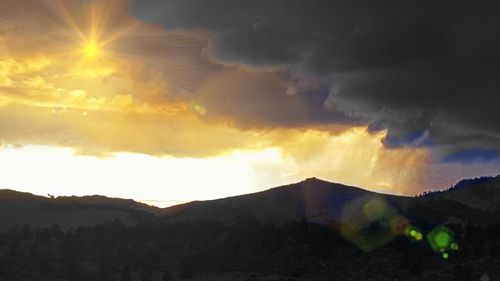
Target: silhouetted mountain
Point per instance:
(479, 193)
(470, 200)
(321, 201)
(19, 208)
(311, 230)
(314, 199)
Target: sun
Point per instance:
(91, 50)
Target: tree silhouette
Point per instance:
(71, 260)
(167, 275)
(146, 273)
(148, 263)
(126, 274)
(14, 246)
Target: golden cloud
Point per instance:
(130, 97)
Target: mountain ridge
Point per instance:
(314, 199)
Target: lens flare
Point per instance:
(414, 234)
(366, 223)
(399, 225)
(440, 239)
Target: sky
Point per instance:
(168, 101)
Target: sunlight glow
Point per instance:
(160, 181)
(91, 50)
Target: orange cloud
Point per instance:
(148, 91)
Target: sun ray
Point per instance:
(65, 14)
(120, 33)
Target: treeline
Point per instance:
(181, 250)
(465, 183)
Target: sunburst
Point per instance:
(94, 26)
(91, 50)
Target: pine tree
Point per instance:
(167, 275)
(126, 274)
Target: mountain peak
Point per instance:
(315, 180)
(311, 179)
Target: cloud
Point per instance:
(223, 75)
(103, 133)
(424, 70)
(145, 66)
(328, 86)
(128, 98)
(263, 100)
(357, 157)
(472, 156)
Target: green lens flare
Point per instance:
(441, 239)
(414, 233)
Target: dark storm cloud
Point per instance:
(425, 70)
(472, 156)
(274, 98)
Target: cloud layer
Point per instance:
(425, 70)
(354, 91)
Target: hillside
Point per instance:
(314, 199)
(19, 208)
(473, 200)
(470, 200)
(348, 234)
(480, 193)
(311, 230)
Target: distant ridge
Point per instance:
(20, 208)
(314, 199)
(476, 181)
(481, 193)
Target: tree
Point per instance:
(71, 260)
(148, 262)
(494, 250)
(126, 274)
(14, 246)
(26, 233)
(146, 273)
(167, 275)
(186, 269)
(105, 271)
(39, 262)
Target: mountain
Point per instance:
(310, 230)
(19, 208)
(319, 201)
(480, 193)
(472, 200)
(314, 199)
